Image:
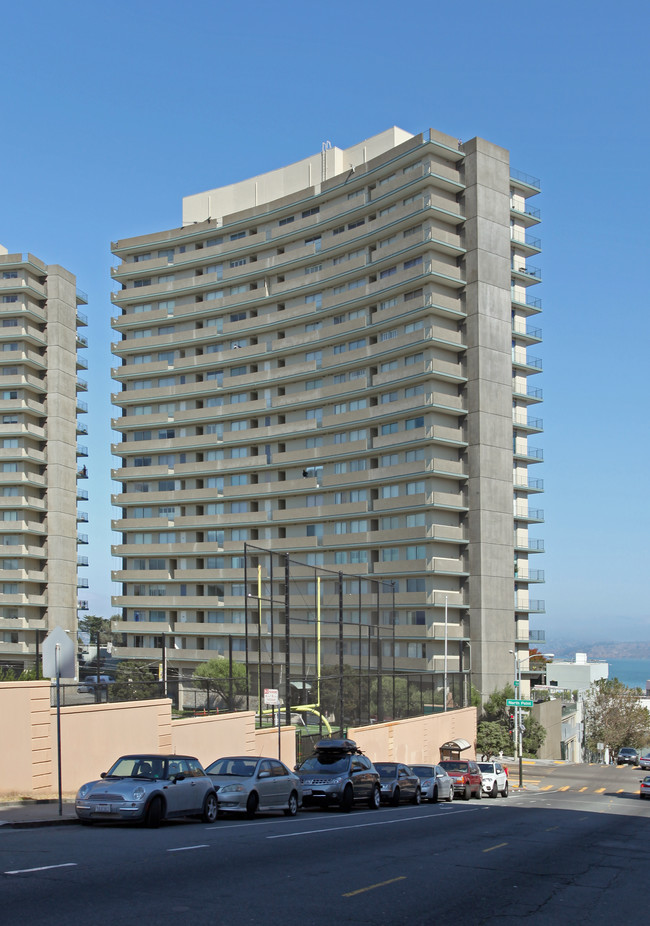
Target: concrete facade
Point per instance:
(40, 460)
(330, 361)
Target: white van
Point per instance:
(90, 682)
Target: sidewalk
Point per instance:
(36, 813)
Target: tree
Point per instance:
(614, 716)
(92, 624)
(496, 709)
(11, 674)
(214, 677)
(134, 681)
(533, 737)
(492, 738)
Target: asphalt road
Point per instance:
(572, 847)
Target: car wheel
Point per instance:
(154, 813)
(252, 804)
(467, 793)
(451, 795)
(495, 791)
(479, 793)
(435, 795)
(374, 800)
(417, 797)
(395, 798)
(348, 799)
(504, 793)
(292, 809)
(210, 808)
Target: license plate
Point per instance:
(306, 791)
(102, 808)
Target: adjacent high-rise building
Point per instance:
(331, 361)
(40, 459)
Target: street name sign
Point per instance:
(518, 702)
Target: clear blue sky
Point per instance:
(111, 113)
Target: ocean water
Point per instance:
(632, 672)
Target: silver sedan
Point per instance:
(248, 784)
(148, 789)
(435, 783)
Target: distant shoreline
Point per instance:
(600, 651)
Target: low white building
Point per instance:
(575, 676)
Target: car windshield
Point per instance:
(238, 767)
(452, 766)
(386, 769)
(150, 767)
(326, 762)
(423, 771)
(487, 767)
(628, 752)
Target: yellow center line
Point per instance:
(599, 790)
(564, 788)
(621, 791)
(583, 789)
(546, 788)
(499, 845)
(371, 887)
(549, 829)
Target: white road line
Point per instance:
(358, 826)
(25, 871)
(187, 848)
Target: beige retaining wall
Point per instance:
(94, 735)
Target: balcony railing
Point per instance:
(526, 210)
(534, 302)
(528, 179)
(82, 605)
(520, 267)
(82, 561)
(537, 636)
(530, 240)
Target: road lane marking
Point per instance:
(599, 790)
(371, 887)
(580, 790)
(499, 845)
(187, 848)
(25, 871)
(359, 826)
(546, 788)
(621, 791)
(549, 829)
(564, 788)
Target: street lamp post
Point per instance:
(518, 731)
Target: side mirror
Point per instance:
(175, 778)
(103, 775)
(264, 775)
(296, 767)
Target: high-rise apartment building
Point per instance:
(40, 460)
(331, 361)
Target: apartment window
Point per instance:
(141, 512)
(215, 508)
(388, 397)
(411, 391)
(414, 326)
(413, 262)
(212, 455)
(313, 211)
(355, 345)
(390, 523)
(357, 466)
(238, 371)
(10, 298)
(413, 294)
(239, 479)
(239, 534)
(358, 495)
(238, 453)
(313, 384)
(241, 425)
(239, 262)
(314, 326)
(10, 394)
(418, 551)
(390, 428)
(215, 562)
(387, 209)
(413, 359)
(314, 501)
(390, 459)
(214, 294)
(212, 242)
(315, 268)
(10, 564)
(316, 299)
(142, 435)
(10, 346)
(412, 456)
(415, 488)
(167, 537)
(10, 588)
(242, 288)
(411, 423)
(10, 419)
(9, 491)
(390, 554)
(388, 366)
(10, 275)
(415, 585)
(387, 241)
(9, 443)
(8, 515)
(237, 235)
(315, 530)
(356, 224)
(9, 322)
(390, 491)
(238, 507)
(215, 537)
(141, 537)
(315, 559)
(389, 335)
(145, 282)
(316, 355)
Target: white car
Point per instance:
(495, 779)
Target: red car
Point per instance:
(466, 775)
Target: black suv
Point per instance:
(627, 756)
(339, 774)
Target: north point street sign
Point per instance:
(518, 702)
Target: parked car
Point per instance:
(644, 790)
(644, 760)
(466, 775)
(148, 789)
(398, 783)
(339, 774)
(495, 778)
(435, 783)
(248, 784)
(91, 683)
(627, 756)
